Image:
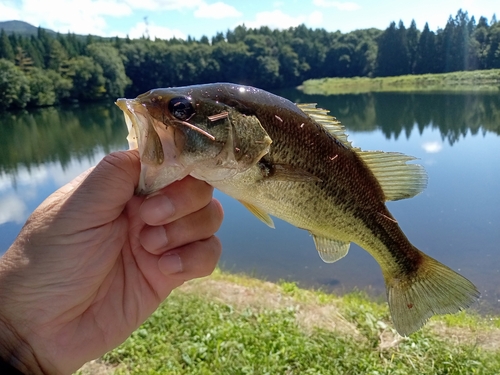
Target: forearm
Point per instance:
(15, 354)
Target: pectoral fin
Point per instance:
(330, 250)
(285, 172)
(260, 214)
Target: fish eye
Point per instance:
(181, 108)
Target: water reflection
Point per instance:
(395, 114)
(31, 138)
(456, 219)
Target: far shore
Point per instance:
(466, 81)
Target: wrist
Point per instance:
(17, 353)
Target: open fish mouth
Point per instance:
(159, 146)
(132, 110)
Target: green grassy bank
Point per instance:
(230, 324)
(478, 80)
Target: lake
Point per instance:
(455, 220)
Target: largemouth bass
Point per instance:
(294, 162)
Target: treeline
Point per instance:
(43, 70)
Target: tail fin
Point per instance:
(433, 289)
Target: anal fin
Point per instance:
(330, 250)
(260, 214)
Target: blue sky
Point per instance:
(180, 18)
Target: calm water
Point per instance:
(456, 219)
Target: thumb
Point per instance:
(102, 192)
(114, 178)
(112, 181)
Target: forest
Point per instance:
(43, 70)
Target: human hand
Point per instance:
(93, 261)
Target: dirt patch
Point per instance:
(487, 339)
(97, 367)
(268, 296)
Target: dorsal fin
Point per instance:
(398, 179)
(330, 123)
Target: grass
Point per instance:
(230, 324)
(478, 80)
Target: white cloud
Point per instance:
(74, 168)
(432, 147)
(77, 16)
(12, 208)
(275, 19)
(164, 4)
(20, 188)
(216, 10)
(340, 5)
(23, 178)
(315, 19)
(8, 12)
(154, 31)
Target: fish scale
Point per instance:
(295, 162)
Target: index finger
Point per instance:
(176, 200)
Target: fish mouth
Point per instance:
(160, 154)
(131, 108)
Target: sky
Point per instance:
(182, 18)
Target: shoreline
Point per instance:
(478, 81)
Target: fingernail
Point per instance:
(170, 264)
(154, 238)
(157, 209)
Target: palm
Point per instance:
(114, 274)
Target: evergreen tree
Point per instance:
(456, 43)
(204, 40)
(33, 50)
(493, 51)
(412, 38)
(481, 42)
(426, 52)
(23, 61)
(6, 50)
(218, 38)
(402, 53)
(392, 56)
(57, 58)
